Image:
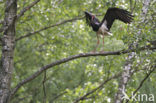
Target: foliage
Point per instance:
(77, 77)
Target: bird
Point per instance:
(103, 27)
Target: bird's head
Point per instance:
(92, 20)
(89, 15)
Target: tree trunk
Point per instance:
(127, 70)
(126, 75)
(8, 41)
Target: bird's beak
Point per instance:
(88, 13)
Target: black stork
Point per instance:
(103, 27)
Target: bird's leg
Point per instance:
(102, 44)
(98, 41)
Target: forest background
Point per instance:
(43, 44)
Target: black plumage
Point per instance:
(104, 26)
(116, 13)
(92, 21)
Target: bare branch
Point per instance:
(59, 95)
(27, 8)
(142, 82)
(81, 55)
(97, 88)
(45, 28)
(21, 13)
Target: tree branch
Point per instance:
(21, 13)
(58, 96)
(45, 28)
(142, 82)
(27, 8)
(81, 55)
(97, 88)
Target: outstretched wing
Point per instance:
(89, 18)
(116, 13)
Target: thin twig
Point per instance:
(97, 88)
(54, 25)
(45, 28)
(142, 82)
(21, 13)
(59, 95)
(27, 8)
(81, 55)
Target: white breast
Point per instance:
(103, 29)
